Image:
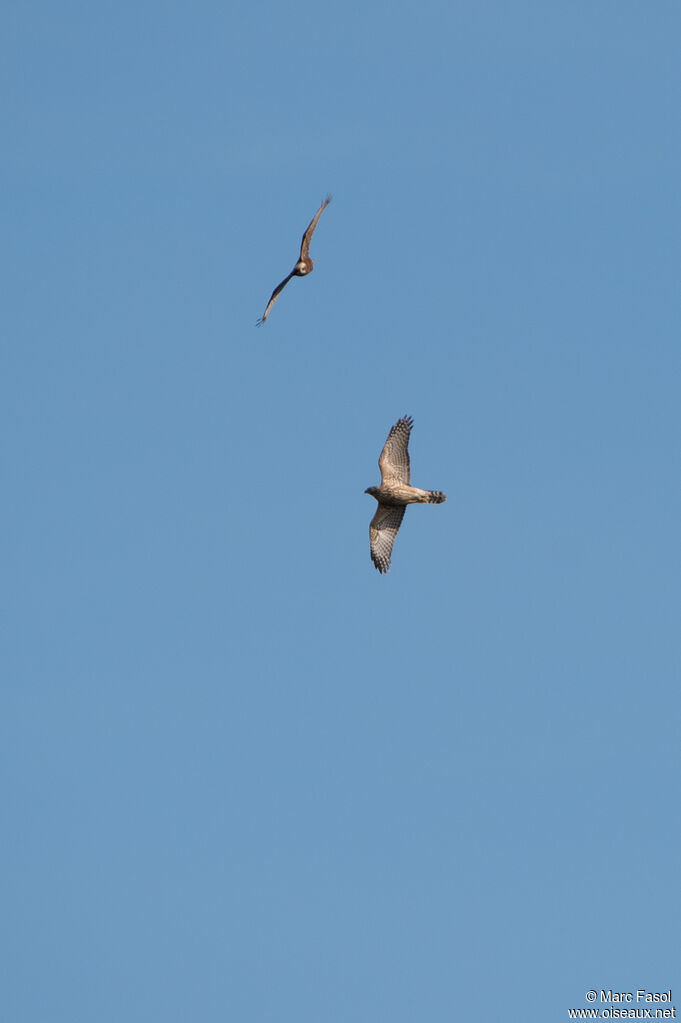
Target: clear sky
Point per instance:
(244, 776)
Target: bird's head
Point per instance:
(371, 491)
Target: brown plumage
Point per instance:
(304, 266)
(394, 493)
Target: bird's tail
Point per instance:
(436, 496)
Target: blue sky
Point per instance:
(244, 776)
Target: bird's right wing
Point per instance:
(382, 532)
(305, 243)
(273, 298)
(394, 460)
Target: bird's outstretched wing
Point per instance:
(305, 243)
(394, 460)
(273, 298)
(382, 532)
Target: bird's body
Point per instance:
(303, 267)
(397, 495)
(394, 493)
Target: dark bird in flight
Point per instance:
(304, 266)
(394, 493)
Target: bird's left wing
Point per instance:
(305, 243)
(394, 460)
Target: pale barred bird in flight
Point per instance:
(304, 266)
(394, 493)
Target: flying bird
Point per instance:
(394, 493)
(304, 266)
